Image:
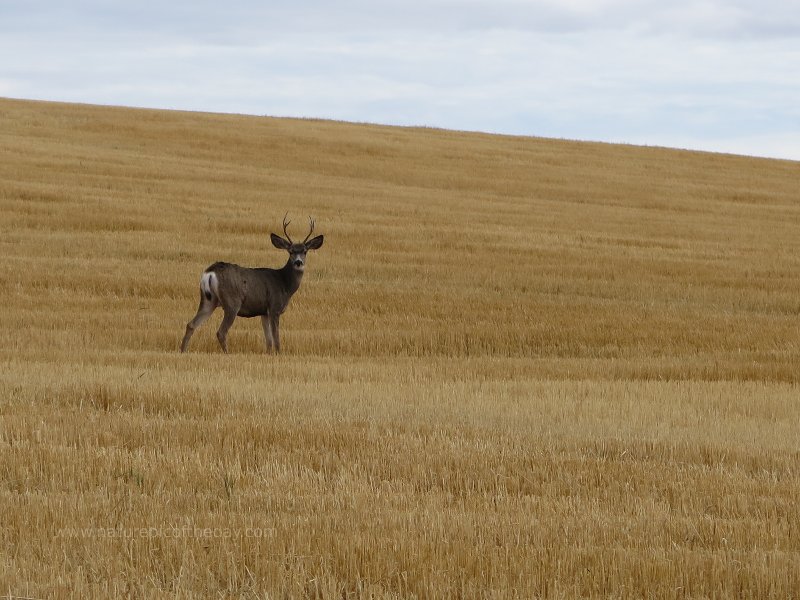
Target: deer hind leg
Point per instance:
(227, 321)
(268, 339)
(203, 312)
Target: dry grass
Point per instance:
(517, 368)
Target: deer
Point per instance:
(253, 292)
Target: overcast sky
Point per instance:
(720, 75)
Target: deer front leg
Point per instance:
(276, 338)
(266, 324)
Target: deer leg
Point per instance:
(265, 323)
(227, 321)
(276, 338)
(203, 312)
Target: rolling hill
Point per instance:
(518, 367)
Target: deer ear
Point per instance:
(279, 242)
(315, 243)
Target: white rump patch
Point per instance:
(208, 284)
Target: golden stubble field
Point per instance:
(517, 368)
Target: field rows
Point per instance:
(517, 368)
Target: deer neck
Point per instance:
(291, 278)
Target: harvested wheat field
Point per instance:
(518, 367)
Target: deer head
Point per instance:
(297, 250)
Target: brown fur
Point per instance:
(251, 292)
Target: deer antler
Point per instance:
(285, 225)
(311, 230)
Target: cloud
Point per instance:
(251, 20)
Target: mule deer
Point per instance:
(245, 292)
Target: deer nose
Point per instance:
(298, 263)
